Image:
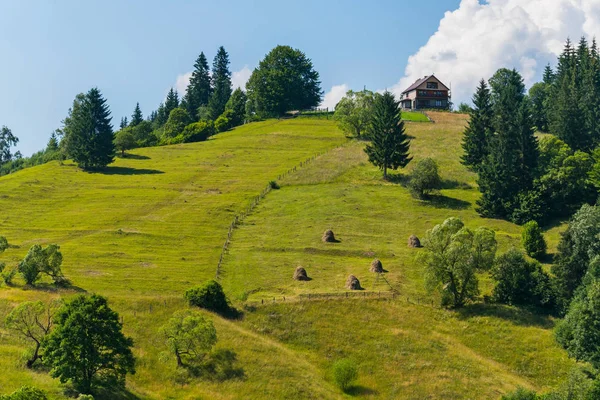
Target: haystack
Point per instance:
(328, 236)
(414, 242)
(376, 266)
(352, 283)
(300, 274)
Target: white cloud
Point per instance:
(475, 40)
(182, 83)
(332, 97)
(239, 78)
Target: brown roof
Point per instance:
(420, 81)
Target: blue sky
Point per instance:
(135, 50)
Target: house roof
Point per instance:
(420, 81)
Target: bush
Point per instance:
(274, 185)
(533, 240)
(178, 120)
(344, 373)
(25, 393)
(223, 122)
(521, 394)
(424, 178)
(210, 296)
(520, 282)
(198, 132)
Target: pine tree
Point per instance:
(171, 102)
(137, 116)
(124, 123)
(511, 164)
(548, 77)
(237, 105)
(89, 133)
(389, 143)
(52, 143)
(221, 77)
(476, 136)
(161, 115)
(199, 89)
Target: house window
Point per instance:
(432, 85)
(439, 103)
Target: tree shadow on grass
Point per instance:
(135, 156)
(114, 393)
(359, 390)
(518, 316)
(53, 288)
(454, 184)
(112, 170)
(441, 201)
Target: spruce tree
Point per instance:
(137, 116)
(389, 143)
(161, 116)
(124, 123)
(171, 102)
(221, 77)
(199, 89)
(510, 167)
(548, 77)
(89, 133)
(476, 137)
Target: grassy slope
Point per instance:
(173, 206)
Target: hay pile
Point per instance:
(414, 242)
(352, 283)
(376, 266)
(300, 274)
(328, 236)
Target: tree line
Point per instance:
(284, 80)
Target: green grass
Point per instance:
(414, 116)
(154, 225)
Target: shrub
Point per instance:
(178, 120)
(344, 373)
(274, 185)
(520, 394)
(533, 240)
(424, 178)
(198, 131)
(25, 393)
(521, 282)
(223, 122)
(210, 296)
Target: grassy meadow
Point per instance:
(154, 223)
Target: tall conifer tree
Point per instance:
(476, 137)
(389, 143)
(171, 102)
(221, 77)
(137, 116)
(200, 87)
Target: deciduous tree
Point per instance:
(354, 111)
(189, 336)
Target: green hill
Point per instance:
(154, 224)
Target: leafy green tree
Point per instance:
(345, 373)
(189, 336)
(200, 88)
(579, 331)
(88, 131)
(87, 345)
(221, 78)
(198, 131)
(237, 106)
(424, 178)
(209, 296)
(533, 240)
(25, 393)
(452, 255)
(479, 129)
(520, 282)
(284, 80)
(124, 140)
(32, 321)
(178, 120)
(539, 93)
(143, 134)
(136, 117)
(7, 140)
(389, 143)
(354, 111)
(464, 108)
(42, 261)
(577, 247)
